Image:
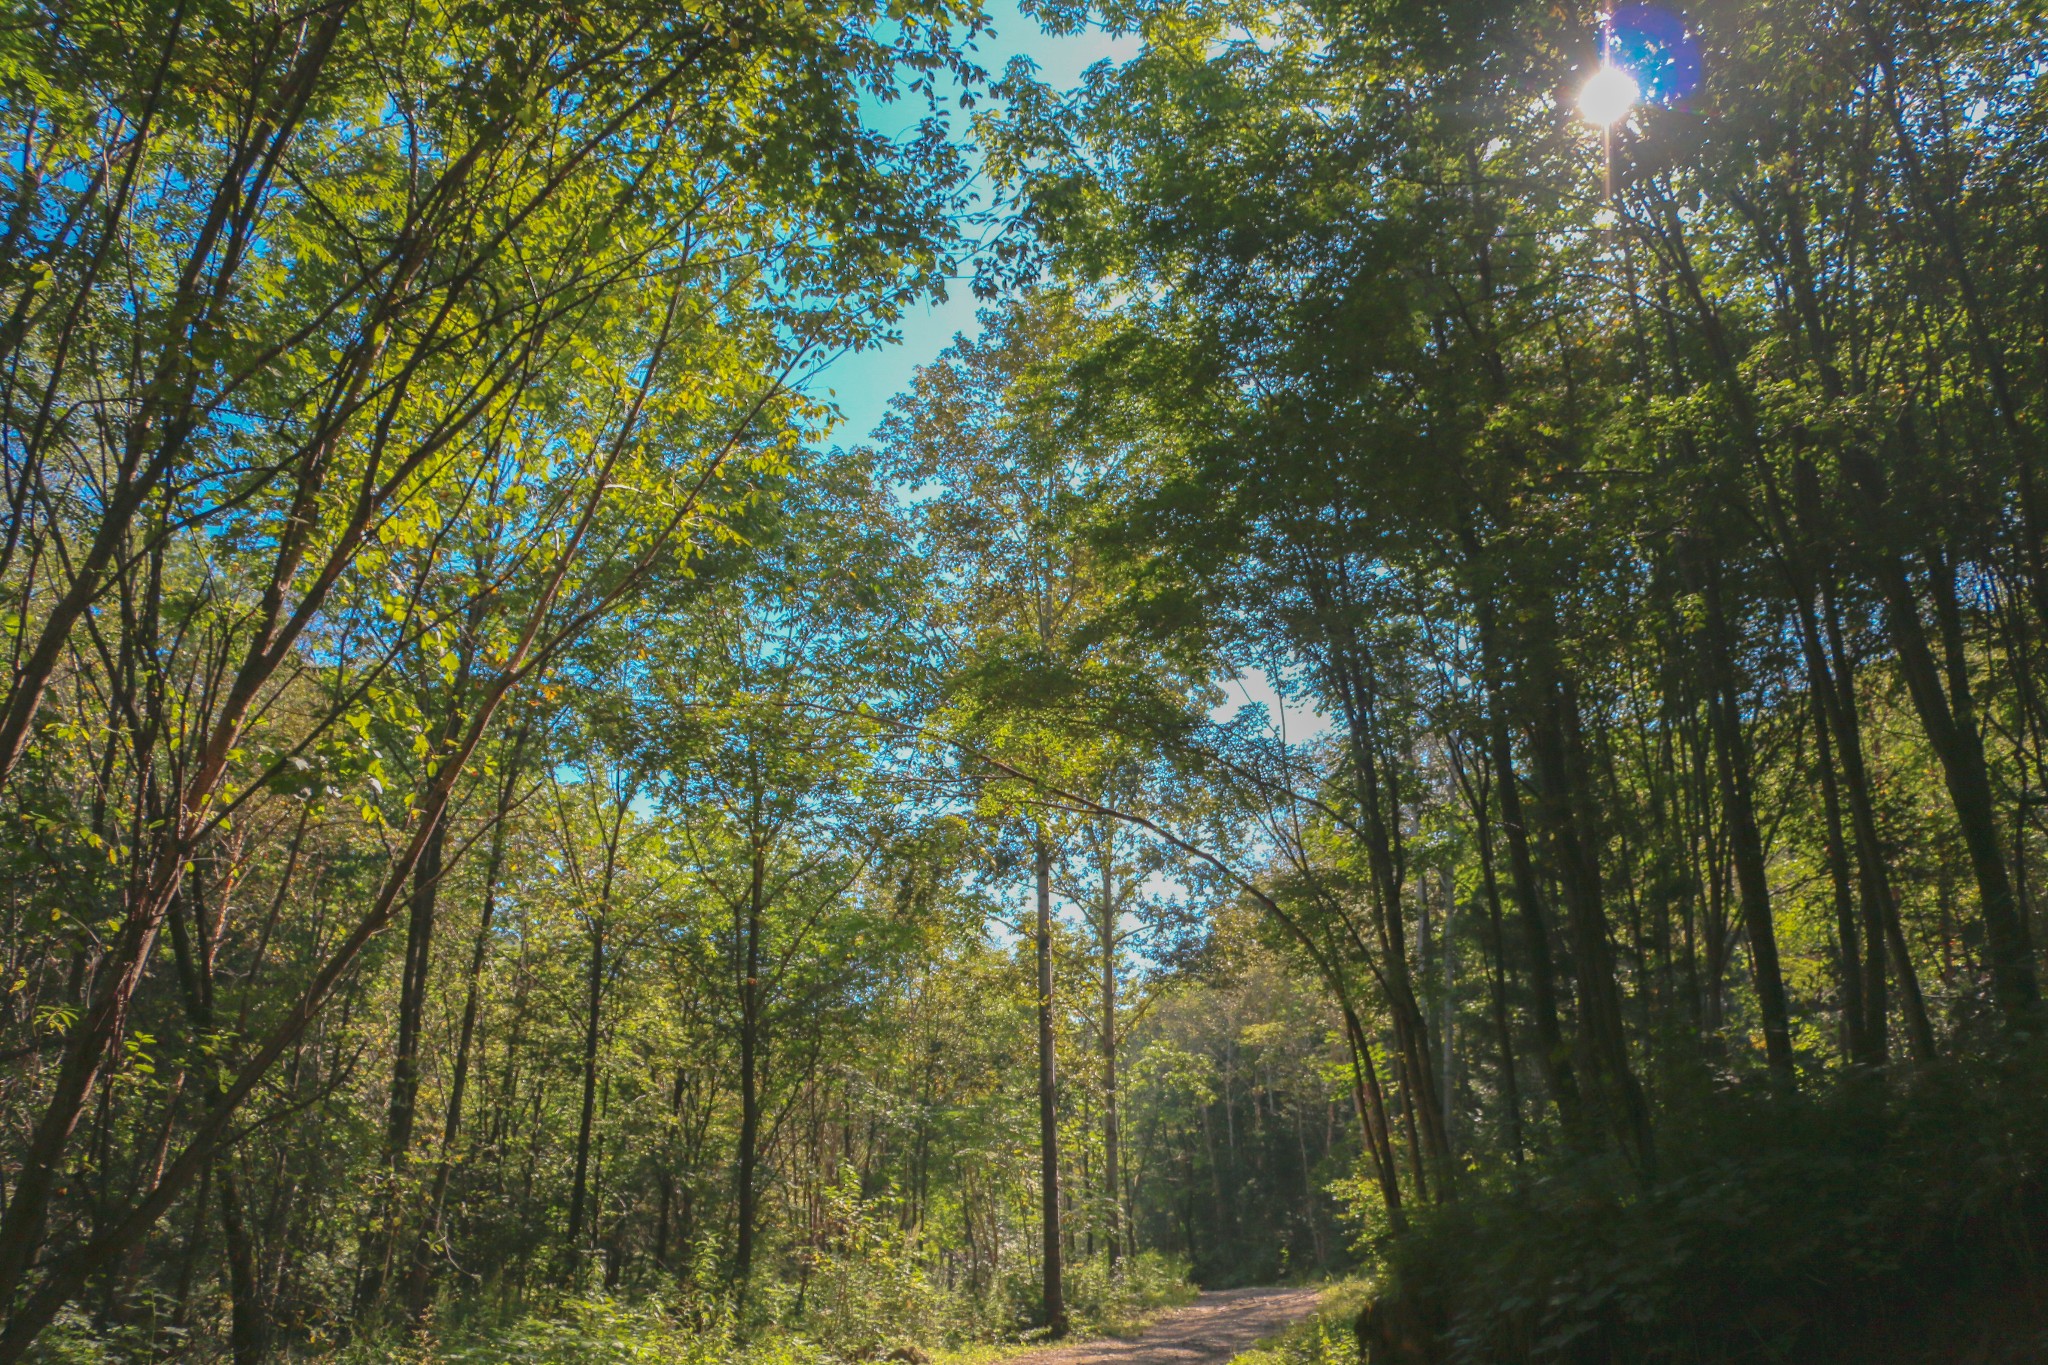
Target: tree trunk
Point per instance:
(1564, 819)
(1110, 1136)
(1857, 1042)
(1738, 808)
(248, 1320)
(1048, 1110)
(374, 1251)
(750, 1064)
(1553, 1051)
(593, 1004)
(1504, 1037)
(1378, 814)
(193, 946)
(1951, 728)
(420, 1278)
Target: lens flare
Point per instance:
(1608, 96)
(1654, 46)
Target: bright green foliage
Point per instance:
(364, 367)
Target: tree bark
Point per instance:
(1378, 810)
(1884, 935)
(1371, 1102)
(586, 1122)
(374, 1251)
(420, 1277)
(750, 1064)
(1738, 808)
(1497, 984)
(193, 947)
(1559, 772)
(1950, 725)
(1048, 1108)
(1113, 1205)
(1553, 1051)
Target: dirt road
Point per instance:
(1208, 1331)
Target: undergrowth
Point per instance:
(866, 1292)
(1846, 1226)
(867, 1298)
(856, 1309)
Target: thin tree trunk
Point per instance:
(1951, 728)
(1110, 1136)
(750, 1062)
(586, 1123)
(1048, 1111)
(1504, 1037)
(1553, 1051)
(374, 1253)
(1738, 809)
(1559, 776)
(420, 1279)
(248, 1321)
(193, 947)
(1378, 812)
(1857, 1042)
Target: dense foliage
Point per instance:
(1654, 510)
(517, 849)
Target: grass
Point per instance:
(982, 1353)
(1326, 1337)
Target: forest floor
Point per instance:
(1209, 1331)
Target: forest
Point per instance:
(1449, 687)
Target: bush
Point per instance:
(1121, 1301)
(1780, 1229)
(866, 1293)
(604, 1331)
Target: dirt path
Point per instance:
(1208, 1331)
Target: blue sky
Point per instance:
(862, 384)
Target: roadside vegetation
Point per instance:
(1328, 1337)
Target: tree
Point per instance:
(377, 324)
(1005, 466)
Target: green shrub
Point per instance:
(1121, 1301)
(1779, 1229)
(601, 1331)
(866, 1292)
